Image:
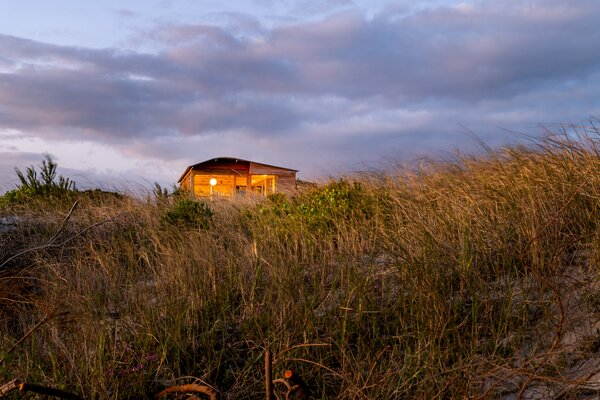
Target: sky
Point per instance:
(126, 93)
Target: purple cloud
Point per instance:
(344, 86)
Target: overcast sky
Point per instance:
(130, 92)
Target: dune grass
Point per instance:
(459, 279)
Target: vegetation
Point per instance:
(188, 213)
(43, 185)
(468, 279)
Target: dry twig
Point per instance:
(51, 243)
(14, 346)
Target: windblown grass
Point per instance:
(462, 279)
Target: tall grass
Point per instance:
(458, 279)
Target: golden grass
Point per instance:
(455, 280)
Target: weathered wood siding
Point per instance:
(286, 184)
(285, 179)
(226, 167)
(260, 169)
(185, 183)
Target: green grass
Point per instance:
(437, 282)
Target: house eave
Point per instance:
(184, 173)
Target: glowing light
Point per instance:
(213, 181)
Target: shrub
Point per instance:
(339, 201)
(188, 213)
(42, 185)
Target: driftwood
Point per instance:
(9, 387)
(190, 388)
(31, 387)
(48, 391)
(296, 388)
(269, 375)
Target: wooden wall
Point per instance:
(260, 169)
(225, 167)
(185, 183)
(230, 174)
(286, 184)
(285, 178)
(226, 184)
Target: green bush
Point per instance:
(323, 207)
(39, 185)
(188, 213)
(337, 198)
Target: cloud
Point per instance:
(126, 13)
(344, 87)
